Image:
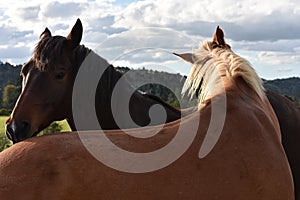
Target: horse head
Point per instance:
(48, 78)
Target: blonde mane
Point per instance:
(212, 66)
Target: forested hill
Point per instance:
(10, 74)
(288, 86)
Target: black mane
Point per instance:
(51, 51)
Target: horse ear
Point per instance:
(219, 37)
(76, 34)
(189, 57)
(45, 34)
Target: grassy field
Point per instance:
(2, 124)
(3, 119)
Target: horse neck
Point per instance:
(103, 97)
(80, 53)
(148, 100)
(138, 107)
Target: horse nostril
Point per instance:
(9, 131)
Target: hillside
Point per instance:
(288, 87)
(168, 83)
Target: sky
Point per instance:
(144, 33)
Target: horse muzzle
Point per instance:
(17, 131)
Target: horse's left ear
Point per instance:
(219, 37)
(76, 34)
(45, 34)
(189, 57)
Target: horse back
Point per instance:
(247, 163)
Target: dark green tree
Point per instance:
(10, 96)
(53, 128)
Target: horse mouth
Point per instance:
(16, 140)
(35, 133)
(39, 130)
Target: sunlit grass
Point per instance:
(2, 124)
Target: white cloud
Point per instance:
(267, 32)
(242, 20)
(287, 69)
(146, 42)
(29, 13)
(24, 21)
(10, 36)
(279, 58)
(61, 10)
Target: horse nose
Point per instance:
(17, 132)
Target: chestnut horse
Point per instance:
(247, 162)
(48, 79)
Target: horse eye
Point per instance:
(60, 75)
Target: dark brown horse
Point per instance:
(288, 115)
(48, 79)
(247, 162)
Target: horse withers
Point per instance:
(247, 161)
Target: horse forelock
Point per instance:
(213, 66)
(48, 52)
